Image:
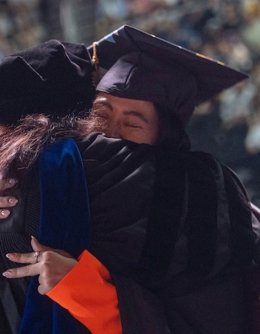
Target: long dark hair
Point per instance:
(21, 143)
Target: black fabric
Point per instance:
(120, 178)
(11, 306)
(15, 236)
(165, 218)
(211, 76)
(220, 306)
(198, 200)
(52, 77)
(125, 181)
(200, 266)
(201, 222)
(141, 310)
(242, 237)
(132, 77)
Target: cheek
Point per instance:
(142, 136)
(150, 134)
(153, 134)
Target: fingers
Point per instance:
(33, 269)
(42, 289)
(24, 257)
(4, 213)
(37, 246)
(32, 257)
(26, 271)
(6, 201)
(7, 183)
(51, 266)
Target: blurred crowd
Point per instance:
(24, 23)
(227, 30)
(19, 25)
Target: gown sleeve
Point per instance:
(89, 295)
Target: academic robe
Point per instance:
(173, 229)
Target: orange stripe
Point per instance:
(89, 295)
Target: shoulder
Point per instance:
(98, 146)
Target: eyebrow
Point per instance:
(125, 112)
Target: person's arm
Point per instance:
(89, 295)
(83, 287)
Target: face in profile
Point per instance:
(133, 120)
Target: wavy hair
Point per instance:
(20, 144)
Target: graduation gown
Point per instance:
(174, 230)
(189, 254)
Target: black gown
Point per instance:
(174, 229)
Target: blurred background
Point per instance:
(227, 30)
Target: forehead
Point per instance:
(114, 101)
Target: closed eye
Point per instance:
(133, 125)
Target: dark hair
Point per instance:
(20, 144)
(172, 132)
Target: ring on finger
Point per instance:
(36, 255)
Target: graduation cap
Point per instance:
(143, 66)
(53, 78)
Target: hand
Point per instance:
(51, 265)
(6, 201)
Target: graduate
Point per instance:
(173, 234)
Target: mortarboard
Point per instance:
(52, 77)
(143, 66)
